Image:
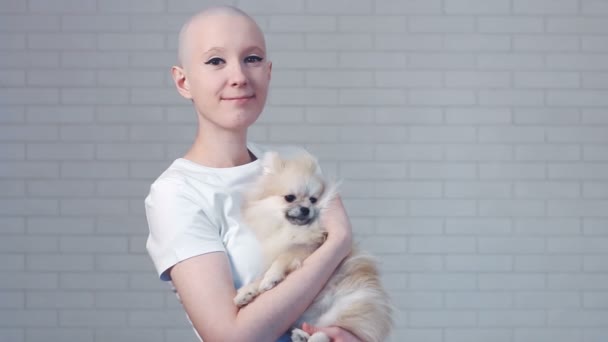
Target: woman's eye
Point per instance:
(215, 61)
(253, 59)
(290, 198)
(313, 200)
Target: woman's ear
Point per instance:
(181, 82)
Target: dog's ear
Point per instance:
(272, 163)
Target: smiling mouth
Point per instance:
(238, 98)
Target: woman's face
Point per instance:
(226, 71)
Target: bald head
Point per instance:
(192, 28)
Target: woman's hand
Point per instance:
(336, 334)
(335, 220)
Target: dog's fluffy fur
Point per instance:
(283, 209)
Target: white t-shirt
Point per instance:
(193, 209)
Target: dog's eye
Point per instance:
(313, 200)
(290, 198)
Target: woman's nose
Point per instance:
(237, 76)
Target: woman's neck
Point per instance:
(220, 150)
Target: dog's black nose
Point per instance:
(304, 211)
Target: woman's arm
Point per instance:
(206, 289)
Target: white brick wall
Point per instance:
(472, 137)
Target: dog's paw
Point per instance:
(245, 295)
(271, 279)
(299, 335)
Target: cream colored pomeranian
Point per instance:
(283, 210)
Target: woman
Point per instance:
(196, 240)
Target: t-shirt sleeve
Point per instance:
(179, 227)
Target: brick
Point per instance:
(94, 23)
(59, 334)
(566, 208)
(438, 318)
(28, 318)
(588, 245)
(410, 226)
(129, 300)
(547, 300)
(509, 24)
(59, 114)
(511, 171)
(474, 79)
(478, 226)
(476, 42)
(479, 263)
(12, 225)
(13, 6)
(442, 134)
(329, 115)
(28, 281)
(11, 262)
(577, 318)
(511, 97)
(94, 170)
(477, 190)
(511, 281)
(12, 188)
(302, 96)
(28, 206)
(547, 226)
(369, 60)
(419, 152)
(511, 61)
(93, 281)
(59, 300)
(477, 7)
(12, 151)
(98, 59)
(547, 334)
(338, 41)
(443, 60)
(129, 151)
(594, 80)
(473, 152)
(578, 134)
(443, 171)
(553, 116)
(415, 189)
(478, 334)
(387, 170)
(147, 334)
(409, 79)
(545, 6)
(547, 80)
(60, 225)
(408, 42)
(417, 300)
(547, 190)
(376, 23)
(595, 300)
(452, 245)
(408, 7)
(441, 24)
(409, 115)
(84, 207)
(63, 6)
(131, 6)
(94, 96)
(93, 318)
(372, 96)
(59, 263)
(595, 190)
(29, 22)
(62, 42)
(512, 318)
(442, 208)
(577, 281)
(12, 300)
(543, 263)
(167, 318)
(511, 134)
(12, 78)
(317, 23)
(546, 43)
(511, 245)
(577, 62)
(60, 152)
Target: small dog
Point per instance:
(283, 210)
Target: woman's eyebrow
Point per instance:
(213, 50)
